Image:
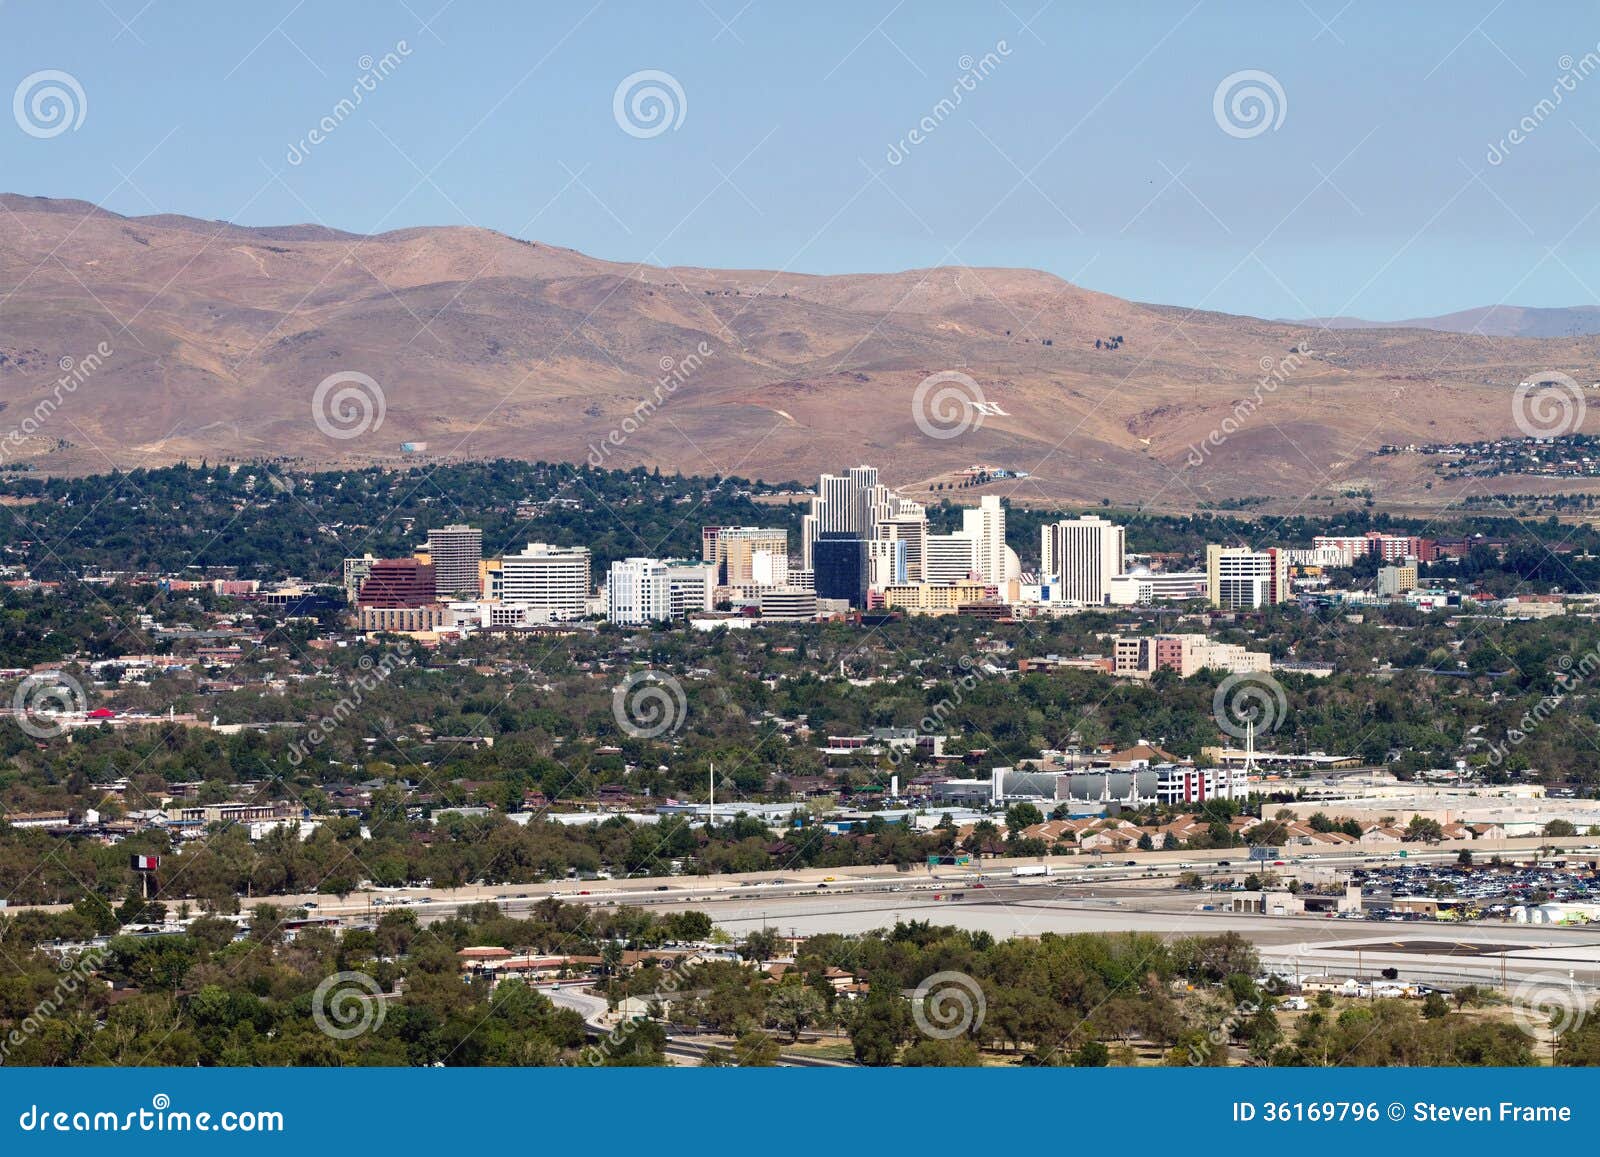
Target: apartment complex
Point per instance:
(1377, 544)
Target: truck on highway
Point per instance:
(1031, 870)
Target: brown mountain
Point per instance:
(484, 345)
(1492, 320)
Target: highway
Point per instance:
(1082, 894)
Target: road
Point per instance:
(599, 1022)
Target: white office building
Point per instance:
(554, 579)
(637, 592)
(1238, 578)
(949, 558)
(691, 587)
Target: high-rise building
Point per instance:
(747, 555)
(691, 587)
(985, 524)
(1082, 556)
(949, 558)
(845, 504)
(356, 571)
(841, 566)
(902, 520)
(1398, 579)
(886, 561)
(637, 592)
(455, 552)
(1238, 578)
(551, 579)
(398, 582)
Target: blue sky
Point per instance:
(1090, 147)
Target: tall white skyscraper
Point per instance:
(1082, 555)
(986, 526)
(845, 504)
